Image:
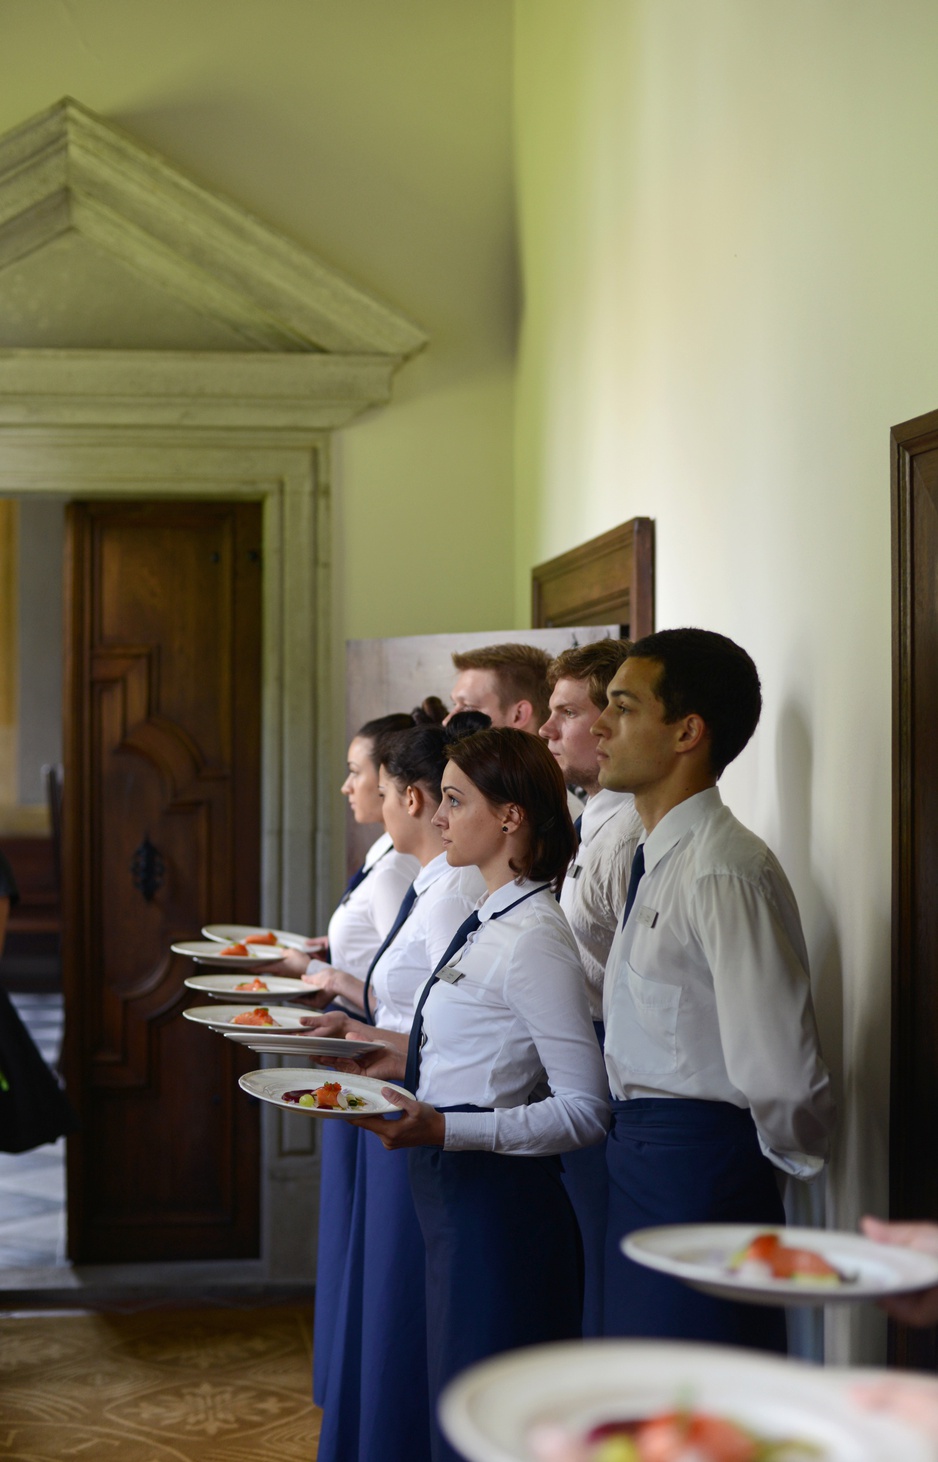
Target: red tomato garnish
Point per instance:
(238, 949)
(267, 938)
(763, 1248)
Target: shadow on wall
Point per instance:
(806, 1203)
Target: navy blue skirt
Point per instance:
(586, 1180)
(376, 1401)
(685, 1161)
(503, 1256)
(338, 1156)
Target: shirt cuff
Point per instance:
(469, 1131)
(795, 1164)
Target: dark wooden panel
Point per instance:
(608, 580)
(162, 744)
(914, 1078)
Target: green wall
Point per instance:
(728, 214)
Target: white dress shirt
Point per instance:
(363, 919)
(597, 881)
(516, 1016)
(707, 992)
(445, 897)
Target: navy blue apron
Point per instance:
(586, 1180)
(685, 1161)
(376, 1401)
(504, 1260)
(339, 1149)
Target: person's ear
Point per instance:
(692, 733)
(512, 818)
(522, 715)
(414, 801)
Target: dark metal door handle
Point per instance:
(147, 869)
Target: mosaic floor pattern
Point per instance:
(158, 1386)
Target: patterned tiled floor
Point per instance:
(32, 1184)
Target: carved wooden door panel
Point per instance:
(162, 834)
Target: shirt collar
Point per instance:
(509, 893)
(434, 870)
(679, 821)
(379, 847)
(603, 805)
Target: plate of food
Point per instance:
(319, 1093)
(255, 936)
(291, 1043)
(663, 1401)
(244, 1021)
(256, 988)
(230, 956)
(788, 1266)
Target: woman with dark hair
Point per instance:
(376, 1402)
(361, 922)
(502, 1023)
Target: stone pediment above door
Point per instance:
(107, 247)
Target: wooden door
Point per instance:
(162, 777)
(913, 1146)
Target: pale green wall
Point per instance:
(729, 215)
(378, 135)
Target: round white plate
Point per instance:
(237, 933)
(205, 952)
(222, 1018)
(222, 987)
(700, 1254)
(270, 1086)
(269, 1042)
(489, 1411)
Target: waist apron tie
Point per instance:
(685, 1161)
(504, 1258)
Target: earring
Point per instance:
(504, 827)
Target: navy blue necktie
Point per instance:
(467, 927)
(578, 829)
(412, 1071)
(353, 883)
(635, 878)
(407, 903)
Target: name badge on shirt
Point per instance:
(575, 871)
(647, 915)
(450, 975)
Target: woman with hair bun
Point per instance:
(502, 1021)
(376, 1402)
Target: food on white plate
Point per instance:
(256, 984)
(674, 1436)
(767, 1257)
(329, 1097)
(260, 1016)
(268, 938)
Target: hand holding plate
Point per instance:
(420, 1126)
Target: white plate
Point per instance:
(270, 1086)
(237, 933)
(221, 1018)
(269, 1042)
(488, 1412)
(222, 987)
(205, 952)
(700, 1255)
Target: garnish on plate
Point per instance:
(330, 1097)
(766, 1257)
